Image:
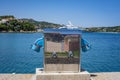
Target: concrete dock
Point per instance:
(105, 76)
(94, 76)
(17, 77)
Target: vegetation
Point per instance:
(6, 17)
(17, 25)
(14, 25)
(103, 29)
(41, 24)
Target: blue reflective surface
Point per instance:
(63, 31)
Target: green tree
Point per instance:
(3, 27)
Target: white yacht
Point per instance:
(69, 26)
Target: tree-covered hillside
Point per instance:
(9, 23)
(41, 24)
(14, 25)
(103, 29)
(7, 17)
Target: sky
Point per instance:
(83, 13)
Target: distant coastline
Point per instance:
(103, 32)
(109, 32)
(103, 29)
(9, 23)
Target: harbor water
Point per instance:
(17, 57)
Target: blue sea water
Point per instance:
(105, 53)
(17, 57)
